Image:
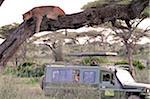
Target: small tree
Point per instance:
(129, 38)
(56, 48)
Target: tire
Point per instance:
(134, 97)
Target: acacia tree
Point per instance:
(88, 17)
(55, 42)
(56, 48)
(130, 38)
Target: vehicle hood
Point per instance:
(127, 80)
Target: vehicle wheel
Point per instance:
(134, 97)
(42, 82)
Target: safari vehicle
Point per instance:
(106, 81)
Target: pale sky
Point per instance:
(12, 10)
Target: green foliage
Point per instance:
(27, 69)
(9, 70)
(146, 12)
(32, 81)
(94, 4)
(86, 61)
(136, 63)
(99, 60)
(121, 63)
(4, 30)
(103, 2)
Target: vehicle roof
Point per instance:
(80, 54)
(82, 66)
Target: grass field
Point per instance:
(12, 87)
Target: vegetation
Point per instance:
(104, 2)
(98, 3)
(20, 79)
(99, 60)
(136, 63)
(16, 88)
(5, 30)
(26, 70)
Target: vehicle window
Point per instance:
(107, 77)
(61, 75)
(89, 76)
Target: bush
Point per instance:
(121, 63)
(136, 63)
(87, 60)
(27, 69)
(30, 70)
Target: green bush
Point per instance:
(30, 70)
(121, 63)
(136, 63)
(9, 70)
(27, 69)
(87, 60)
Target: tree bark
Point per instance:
(130, 60)
(14, 40)
(88, 17)
(58, 54)
(1, 1)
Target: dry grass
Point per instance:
(15, 88)
(12, 87)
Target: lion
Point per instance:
(51, 12)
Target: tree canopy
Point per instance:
(88, 17)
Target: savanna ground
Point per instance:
(14, 87)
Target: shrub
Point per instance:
(136, 63)
(27, 69)
(87, 60)
(30, 70)
(121, 63)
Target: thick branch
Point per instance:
(89, 17)
(1, 1)
(14, 40)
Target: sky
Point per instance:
(12, 10)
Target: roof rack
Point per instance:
(80, 54)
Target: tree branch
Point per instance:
(1, 1)
(88, 17)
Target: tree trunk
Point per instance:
(58, 55)
(130, 60)
(1, 1)
(88, 17)
(14, 40)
